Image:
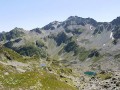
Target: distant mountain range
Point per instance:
(96, 33)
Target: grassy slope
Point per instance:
(37, 79)
(12, 54)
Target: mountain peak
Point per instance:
(37, 30)
(55, 22)
(75, 20)
(51, 26)
(116, 21)
(74, 17)
(18, 29)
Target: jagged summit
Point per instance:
(13, 34)
(55, 22)
(81, 21)
(37, 30)
(116, 21)
(72, 20)
(17, 29)
(51, 26)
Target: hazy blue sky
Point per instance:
(30, 14)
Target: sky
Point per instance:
(29, 14)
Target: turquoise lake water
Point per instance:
(90, 73)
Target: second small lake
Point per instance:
(90, 73)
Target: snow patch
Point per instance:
(111, 36)
(104, 44)
(91, 28)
